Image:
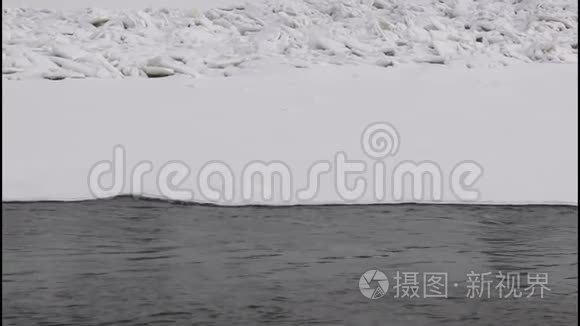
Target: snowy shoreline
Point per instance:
(225, 41)
(518, 122)
(491, 82)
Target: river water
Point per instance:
(142, 262)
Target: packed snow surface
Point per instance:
(80, 43)
(520, 123)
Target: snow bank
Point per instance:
(129, 77)
(97, 43)
(518, 122)
(116, 4)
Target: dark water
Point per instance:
(136, 262)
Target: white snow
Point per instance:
(294, 81)
(115, 4)
(121, 43)
(518, 122)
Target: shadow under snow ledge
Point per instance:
(517, 123)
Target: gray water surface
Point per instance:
(140, 262)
